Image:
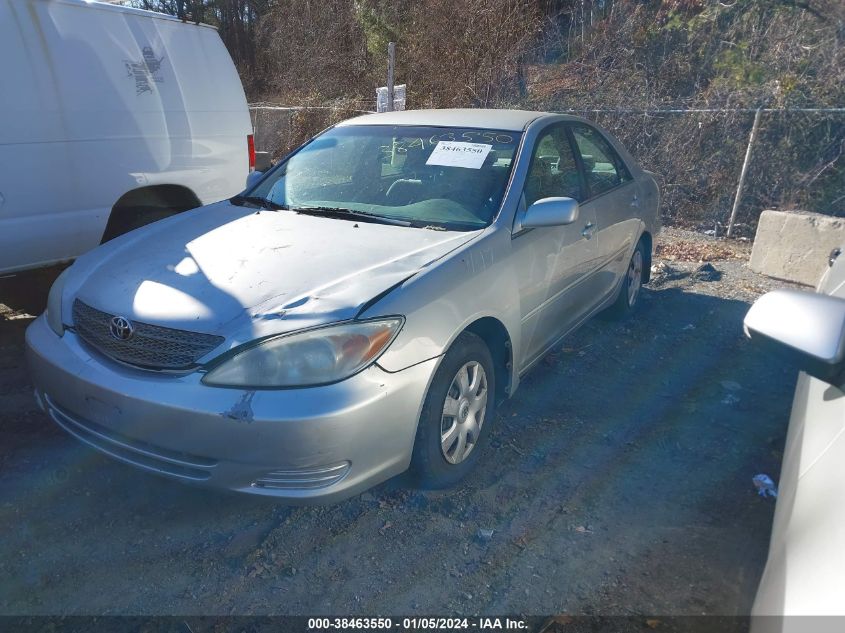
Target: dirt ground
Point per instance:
(619, 482)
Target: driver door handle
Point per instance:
(588, 230)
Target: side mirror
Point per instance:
(262, 161)
(253, 178)
(806, 328)
(550, 212)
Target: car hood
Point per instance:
(231, 270)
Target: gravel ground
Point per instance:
(619, 482)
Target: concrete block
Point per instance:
(795, 246)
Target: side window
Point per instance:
(553, 171)
(602, 165)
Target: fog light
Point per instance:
(303, 478)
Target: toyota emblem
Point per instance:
(121, 328)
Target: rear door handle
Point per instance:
(588, 229)
(635, 201)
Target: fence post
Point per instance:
(391, 59)
(741, 184)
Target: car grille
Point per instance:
(149, 347)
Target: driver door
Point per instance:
(553, 264)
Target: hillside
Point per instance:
(622, 63)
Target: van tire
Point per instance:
(134, 219)
(140, 207)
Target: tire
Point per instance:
(135, 218)
(632, 284)
(432, 465)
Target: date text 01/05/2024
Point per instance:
(417, 624)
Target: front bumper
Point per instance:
(317, 444)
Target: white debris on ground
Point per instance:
(765, 486)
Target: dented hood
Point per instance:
(230, 270)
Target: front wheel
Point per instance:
(632, 283)
(456, 416)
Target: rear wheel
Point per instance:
(456, 418)
(142, 206)
(632, 283)
(135, 218)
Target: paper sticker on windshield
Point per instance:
(458, 154)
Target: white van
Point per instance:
(110, 118)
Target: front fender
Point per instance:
(440, 302)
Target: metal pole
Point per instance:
(391, 60)
(741, 184)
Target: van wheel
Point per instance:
(454, 426)
(135, 218)
(632, 284)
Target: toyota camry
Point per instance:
(358, 311)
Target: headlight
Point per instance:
(313, 357)
(54, 304)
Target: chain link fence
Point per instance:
(281, 129)
(796, 160)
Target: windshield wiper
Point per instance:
(339, 212)
(264, 203)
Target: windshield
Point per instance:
(452, 178)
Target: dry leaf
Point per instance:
(687, 251)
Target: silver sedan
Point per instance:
(359, 310)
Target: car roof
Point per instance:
(119, 8)
(510, 120)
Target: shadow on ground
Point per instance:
(619, 482)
